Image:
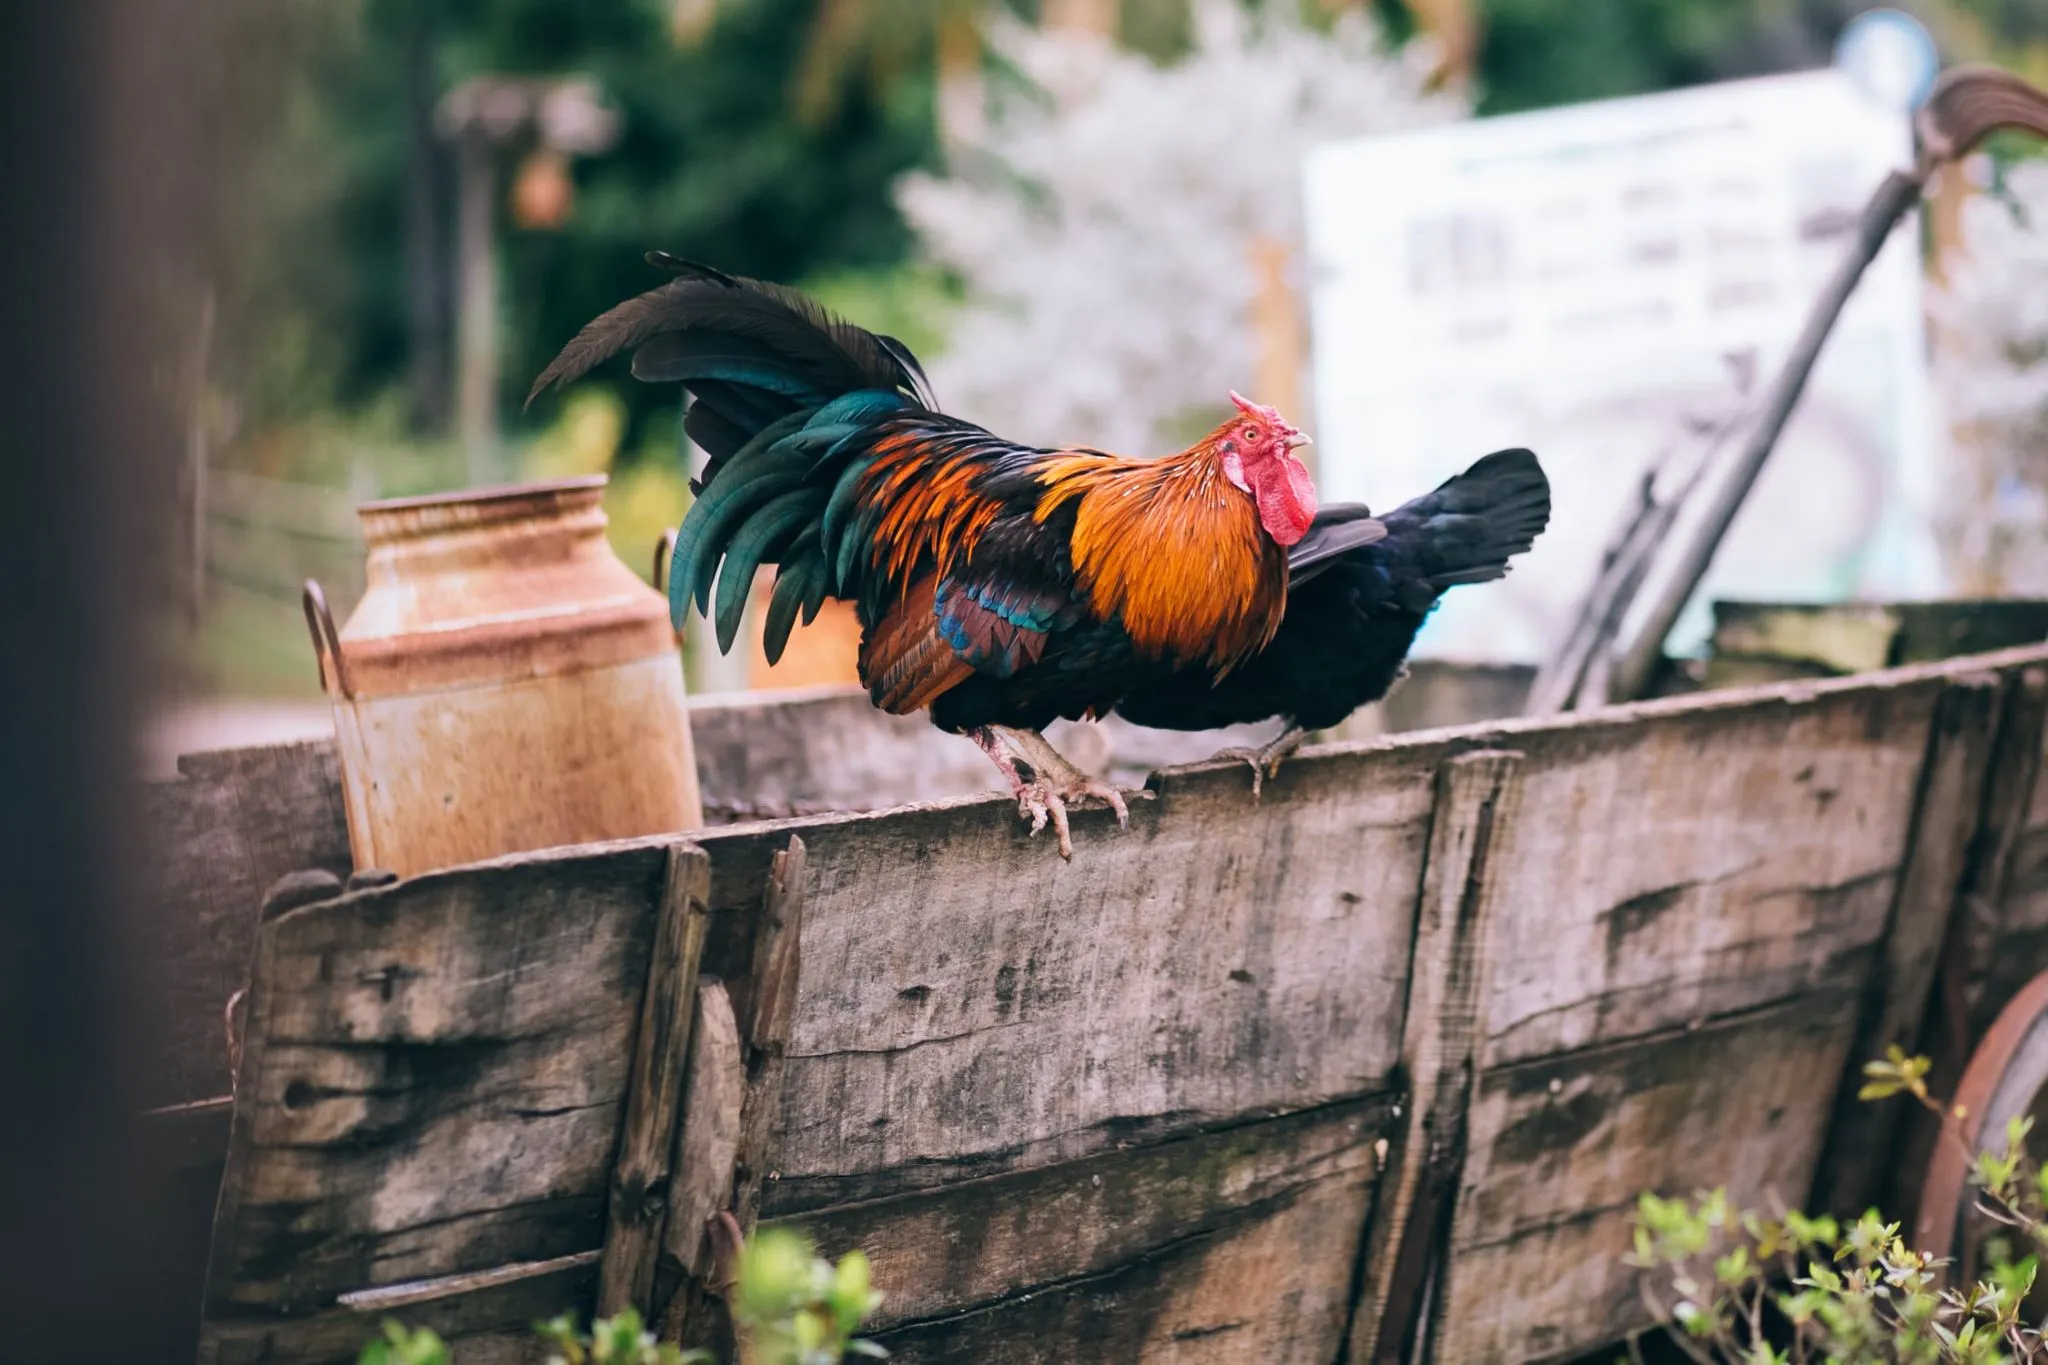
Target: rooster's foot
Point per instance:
(1043, 798)
(1055, 784)
(1266, 760)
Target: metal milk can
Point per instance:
(505, 684)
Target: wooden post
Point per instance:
(476, 282)
(1276, 322)
(740, 1076)
(1448, 972)
(962, 94)
(640, 1177)
(709, 1139)
(1937, 845)
(765, 1019)
(1098, 17)
(1456, 31)
(1957, 1012)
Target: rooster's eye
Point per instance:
(1251, 433)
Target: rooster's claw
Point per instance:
(1043, 799)
(1266, 760)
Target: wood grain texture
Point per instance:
(769, 1001)
(1560, 1148)
(2002, 938)
(1447, 983)
(1227, 1246)
(1675, 867)
(708, 1142)
(1942, 832)
(490, 1325)
(768, 1006)
(434, 1081)
(236, 820)
(231, 824)
(1222, 958)
(1700, 860)
(642, 1174)
(1688, 903)
(967, 1247)
(1993, 946)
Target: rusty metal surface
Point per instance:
(2005, 1073)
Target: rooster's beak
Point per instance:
(1297, 440)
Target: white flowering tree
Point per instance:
(1991, 362)
(1108, 214)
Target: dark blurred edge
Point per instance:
(102, 182)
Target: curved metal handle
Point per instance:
(664, 559)
(326, 643)
(664, 555)
(1969, 103)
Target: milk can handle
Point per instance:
(326, 643)
(664, 552)
(664, 560)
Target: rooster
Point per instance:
(998, 586)
(1355, 602)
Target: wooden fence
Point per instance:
(1239, 1083)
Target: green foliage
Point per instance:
(795, 1309)
(620, 1340)
(1537, 53)
(331, 116)
(789, 1306)
(401, 1346)
(1745, 1287)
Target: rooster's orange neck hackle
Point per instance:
(1174, 547)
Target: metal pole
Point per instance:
(1966, 106)
(1893, 200)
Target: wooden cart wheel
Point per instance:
(2006, 1078)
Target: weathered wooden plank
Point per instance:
(1064, 1244)
(1223, 957)
(1846, 637)
(970, 1247)
(1937, 845)
(1561, 1147)
(1991, 949)
(973, 1007)
(231, 825)
(1447, 982)
(769, 1001)
(236, 820)
(1680, 865)
(766, 1010)
(1437, 694)
(1262, 1272)
(640, 1182)
(1685, 860)
(434, 1081)
(489, 1322)
(708, 1143)
(1995, 951)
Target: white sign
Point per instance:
(1577, 281)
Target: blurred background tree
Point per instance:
(344, 279)
(764, 135)
(771, 137)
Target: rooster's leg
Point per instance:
(990, 743)
(1266, 761)
(1030, 803)
(1055, 782)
